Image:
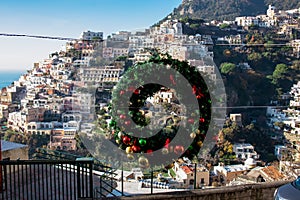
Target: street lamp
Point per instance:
(195, 162)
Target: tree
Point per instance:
(269, 45)
(254, 57)
(279, 72)
(194, 26)
(227, 67)
(224, 25)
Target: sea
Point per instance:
(8, 77)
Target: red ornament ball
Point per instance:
(131, 89)
(178, 149)
(122, 116)
(135, 148)
(149, 151)
(122, 92)
(126, 140)
(127, 122)
(191, 120)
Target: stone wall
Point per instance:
(14, 154)
(262, 191)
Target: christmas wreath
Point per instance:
(179, 134)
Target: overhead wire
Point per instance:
(101, 40)
(75, 39)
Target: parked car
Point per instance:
(290, 191)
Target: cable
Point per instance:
(41, 37)
(125, 42)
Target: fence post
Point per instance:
(195, 176)
(78, 180)
(151, 181)
(88, 164)
(122, 179)
(91, 179)
(1, 180)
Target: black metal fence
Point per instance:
(46, 179)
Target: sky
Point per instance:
(68, 18)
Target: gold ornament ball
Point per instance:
(130, 157)
(143, 162)
(165, 150)
(128, 150)
(193, 135)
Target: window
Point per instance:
(202, 181)
(191, 181)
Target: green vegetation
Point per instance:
(251, 133)
(223, 26)
(279, 72)
(172, 173)
(33, 141)
(227, 67)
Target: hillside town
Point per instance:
(51, 98)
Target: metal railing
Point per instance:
(105, 184)
(47, 179)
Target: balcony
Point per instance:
(49, 179)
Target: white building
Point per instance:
(267, 20)
(244, 151)
(271, 11)
(295, 44)
(236, 118)
(90, 35)
(228, 173)
(164, 96)
(84, 103)
(98, 76)
(247, 21)
(121, 36)
(39, 128)
(202, 67)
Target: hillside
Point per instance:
(229, 9)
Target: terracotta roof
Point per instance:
(186, 169)
(5, 103)
(272, 173)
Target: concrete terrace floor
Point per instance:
(51, 182)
